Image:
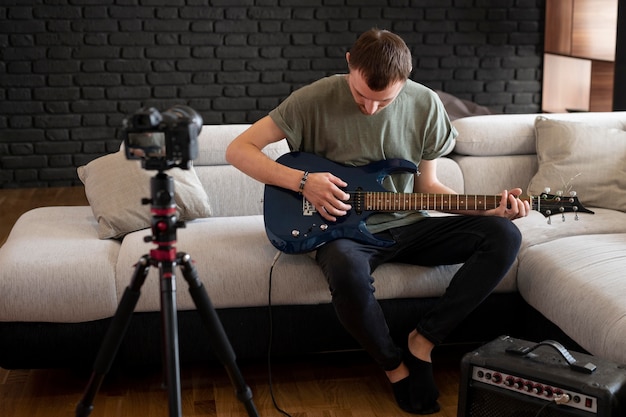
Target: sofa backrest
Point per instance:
(232, 193)
(497, 152)
(492, 153)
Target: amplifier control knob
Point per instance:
(497, 378)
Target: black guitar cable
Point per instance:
(556, 401)
(271, 337)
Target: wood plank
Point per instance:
(594, 29)
(601, 94)
(558, 26)
(328, 385)
(566, 83)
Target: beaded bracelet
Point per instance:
(303, 181)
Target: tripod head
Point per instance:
(164, 219)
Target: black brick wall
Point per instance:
(71, 70)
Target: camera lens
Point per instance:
(186, 113)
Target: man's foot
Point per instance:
(422, 392)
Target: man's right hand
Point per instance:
(324, 191)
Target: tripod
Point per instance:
(165, 257)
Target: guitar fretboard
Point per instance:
(387, 201)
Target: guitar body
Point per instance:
(294, 226)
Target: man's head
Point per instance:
(381, 57)
(380, 64)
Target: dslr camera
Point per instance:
(163, 140)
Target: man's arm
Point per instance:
(322, 189)
(510, 205)
(245, 154)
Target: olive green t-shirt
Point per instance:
(322, 118)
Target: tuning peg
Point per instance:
(547, 190)
(573, 193)
(559, 193)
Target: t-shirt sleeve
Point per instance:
(440, 135)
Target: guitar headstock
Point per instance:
(551, 204)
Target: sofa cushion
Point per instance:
(492, 135)
(514, 134)
(577, 283)
(233, 257)
(115, 186)
(580, 157)
(214, 139)
(55, 269)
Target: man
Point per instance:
(372, 113)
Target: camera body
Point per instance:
(163, 140)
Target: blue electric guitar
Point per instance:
(293, 225)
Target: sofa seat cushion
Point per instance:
(578, 283)
(233, 257)
(55, 269)
(536, 230)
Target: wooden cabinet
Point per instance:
(579, 55)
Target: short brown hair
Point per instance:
(382, 58)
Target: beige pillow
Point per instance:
(579, 157)
(115, 186)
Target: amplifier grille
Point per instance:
(486, 401)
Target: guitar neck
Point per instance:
(392, 202)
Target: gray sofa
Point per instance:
(62, 274)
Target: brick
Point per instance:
(227, 103)
(128, 92)
(56, 148)
(54, 93)
(57, 134)
(72, 72)
(20, 162)
(57, 174)
(19, 149)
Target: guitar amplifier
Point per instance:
(515, 378)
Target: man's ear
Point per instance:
(348, 58)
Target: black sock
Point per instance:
(401, 393)
(422, 390)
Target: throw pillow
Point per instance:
(114, 187)
(574, 156)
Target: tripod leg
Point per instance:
(170, 337)
(114, 336)
(221, 345)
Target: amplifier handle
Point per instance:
(588, 368)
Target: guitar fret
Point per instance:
(389, 201)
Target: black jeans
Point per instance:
(486, 245)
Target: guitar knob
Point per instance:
(323, 227)
(295, 233)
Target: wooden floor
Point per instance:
(327, 385)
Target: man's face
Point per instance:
(370, 101)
